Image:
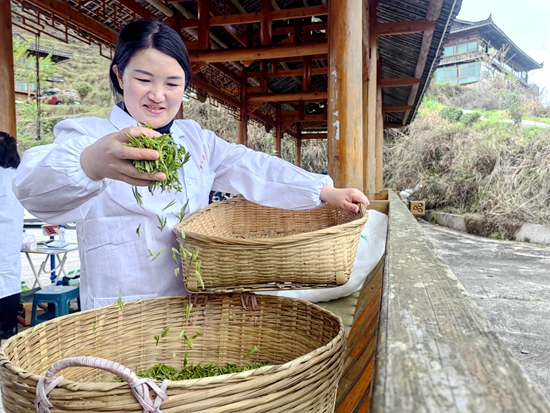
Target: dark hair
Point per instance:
(144, 34)
(9, 158)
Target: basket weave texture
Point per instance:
(244, 246)
(304, 342)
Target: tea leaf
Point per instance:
(155, 254)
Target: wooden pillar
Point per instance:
(298, 149)
(204, 25)
(370, 59)
(345, 122)
(278, 133)
(7, 84)
(242, 136)
(379, 144)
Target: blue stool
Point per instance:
(58, 298)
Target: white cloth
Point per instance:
(11, 235)
(372, 245)
(115, 260)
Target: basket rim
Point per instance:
(312, 236)
(204, 381)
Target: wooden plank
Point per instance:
(379, 144)
(404, 27)
(437, 351)
(257, 53)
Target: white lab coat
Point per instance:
(115, 260)
(11, 235)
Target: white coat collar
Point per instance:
(120, 119)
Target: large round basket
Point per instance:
(244, 246)
(303, 342)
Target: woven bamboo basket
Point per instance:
(304, 343)
(244, 246)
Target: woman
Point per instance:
(84, 175)
(11, 228)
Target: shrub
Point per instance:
(83, 89)
(452, 113)
(471, 117)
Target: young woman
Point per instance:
(11, 228)
(87, 173)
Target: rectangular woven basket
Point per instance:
(244, 246)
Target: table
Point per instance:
(59, 253)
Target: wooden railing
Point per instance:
(436, 350)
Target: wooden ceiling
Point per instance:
(275, 51)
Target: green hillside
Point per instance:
(482, 163)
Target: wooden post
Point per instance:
(242, 136)
(370, 58)
(7, 85)
(298, 158)
(204, 25)
(278, 133)
(379, 144)
(345, 121)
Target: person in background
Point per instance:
(11, 228)
(87, 174)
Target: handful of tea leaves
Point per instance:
(171, 158)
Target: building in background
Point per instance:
(25, 89)
(475, 51)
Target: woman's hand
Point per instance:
(109, 157)
(345, 198)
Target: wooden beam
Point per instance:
(394, 126)
(7, 86)
(345, 120)
(403, 108)
(266, 23)
(287, 97)
(247, 18)
(308, 28)
(289, 116)
(398, 82)
(207, 87)
(204, 24)
(405, 27)
(369, 160)
(314, 136)
(306, 84)
(295, 72)
(298, 149)
(258, 53)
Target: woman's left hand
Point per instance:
(344, 198)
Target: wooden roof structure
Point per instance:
(275, 62)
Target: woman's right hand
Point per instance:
(109, 157)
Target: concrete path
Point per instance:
(510, 281)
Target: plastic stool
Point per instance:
(58, 298)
